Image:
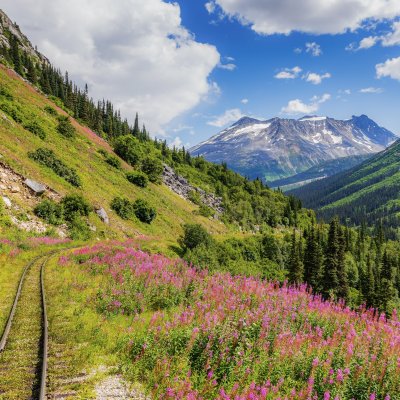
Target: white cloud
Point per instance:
(228, 67)
(316, 79)
(268, 17)
(244, 101)
(210, 6)
(299, 107)
(298, 50)
(227, 117)
(393, 38)
(177, 142)
(368, 42)
(314, 49)
(288, 73)
(390, 68)
(137, 53)
(371, 90)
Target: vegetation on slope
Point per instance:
(187, 333)
(367, 194)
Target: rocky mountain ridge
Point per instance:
(279, 148)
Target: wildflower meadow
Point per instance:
(197, 335)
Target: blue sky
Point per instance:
(192, 67)
(352, 83)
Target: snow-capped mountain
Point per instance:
(278, 148)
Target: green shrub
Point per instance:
(36, 129)
(137, 178)
(153, 168)
(139, 209)
(6, 94)
(79, 229)
(113, 161)
(65, 127)
(50, 211)
(206, 211)
(123, 207)
(128, 148)
(47, 158)
(51, 111)
(193, 236)
(144, 212)
(194, 197)
(13, 111)
(74, 205)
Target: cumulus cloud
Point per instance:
(210, 7)
(268, 17)
(297, 106)
(316, 79)
(314, 49)
(137, 53)
(226, 118)
(390, 39)
(390, 68)
(371, 90)
(288, 73)
(244, 101)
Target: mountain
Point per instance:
(320, 171)
(278, 148)
(369, 192)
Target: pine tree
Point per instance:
(295, 264)
(136, 130)
(386, 289)
(313, 259)
(343, 287)
(15, 55)
(368, 287)
(330, 280)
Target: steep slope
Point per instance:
(368, 192)
(101, 182)
(278, 148)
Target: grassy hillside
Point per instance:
(367, 193)
(100, 181)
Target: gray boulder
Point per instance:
(36, 187)
(101, 212)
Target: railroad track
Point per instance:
(24, 341)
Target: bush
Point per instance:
(78, 229)
(137, 178)
(65, 128)
(47, 158)
(153, 168)
(36, 129)
(123, 207)
(144, 212)
(49, 211)
(128, 148)
(194, 197)
(113, 161)
(51, 111)
(13, 111)
(74, 205)
(206, 211)
(5, 93)
(139, 209)
(193, 236)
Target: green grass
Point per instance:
(100, 181)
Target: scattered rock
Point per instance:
(7, 202)
(15, 189)
(3, 187)
(36, 187)
(181, 186)
(101, 212)
(114, 387)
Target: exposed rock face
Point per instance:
(278, 148)
(181, 186)
(101, 212)
(25, 44)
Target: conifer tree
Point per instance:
(295, 264)
(343, 287)
(136, 129)
(313, 259)
(15, 55)
(330, 281)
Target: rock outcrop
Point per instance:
(183, 188)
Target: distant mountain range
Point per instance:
(279, 148)
(369, 192)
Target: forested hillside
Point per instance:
(369, 193)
